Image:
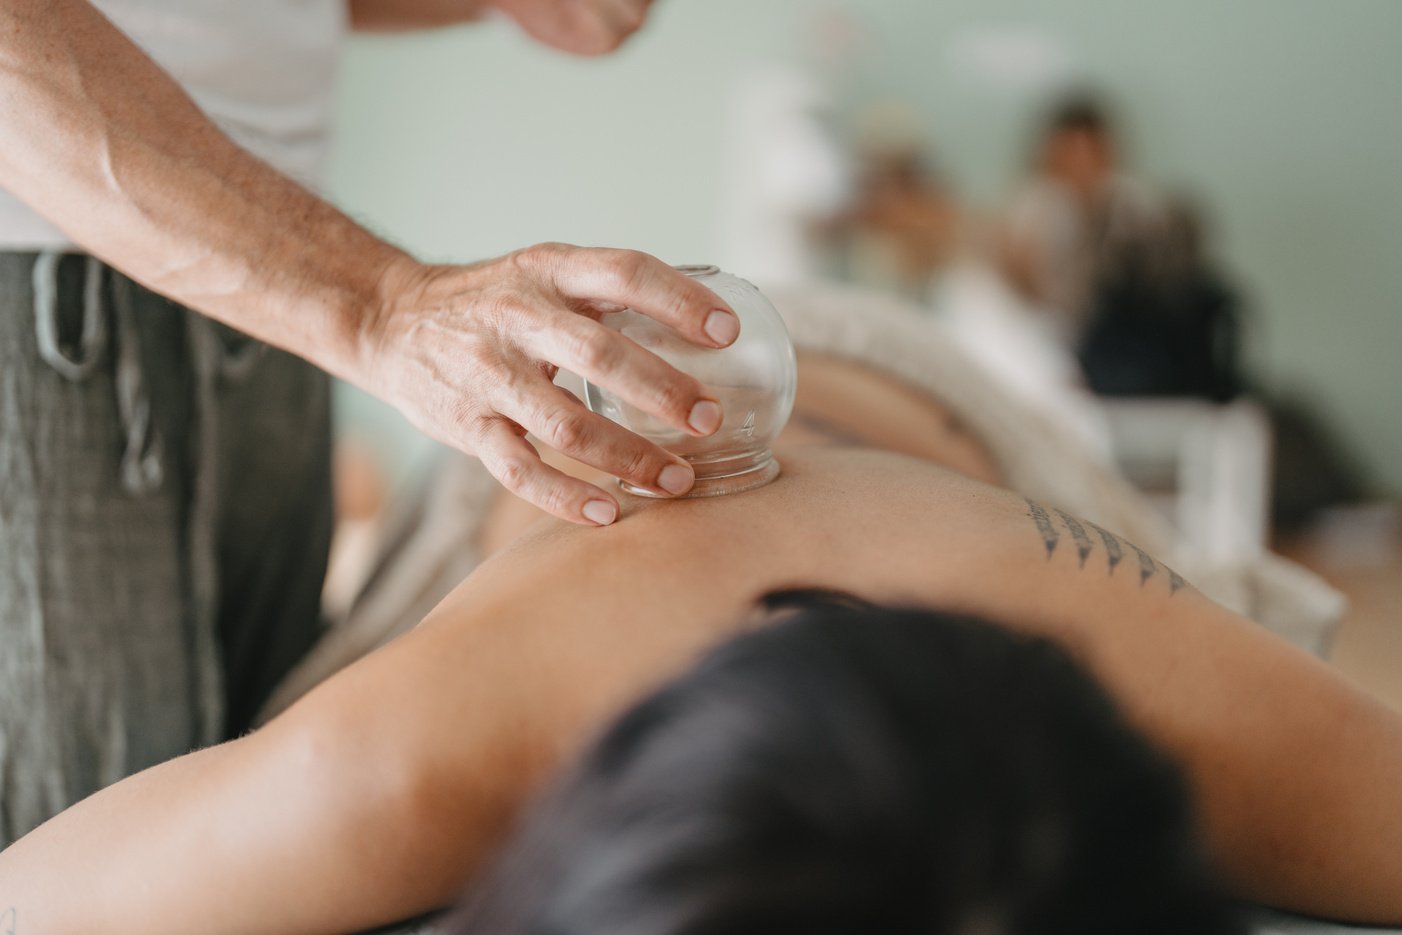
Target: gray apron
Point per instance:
(165, 514)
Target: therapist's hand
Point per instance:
(584, 27)
(468, 354)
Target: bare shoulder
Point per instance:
(886, 526)
(568, 623)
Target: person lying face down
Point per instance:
(860, 769)
(387, 790)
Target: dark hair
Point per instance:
(859, 769)
(1081, 111)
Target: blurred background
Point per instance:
(1177, 225)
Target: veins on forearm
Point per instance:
(1051, 523)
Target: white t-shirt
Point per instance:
(261, 69)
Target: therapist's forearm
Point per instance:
(109, 148)
(396, 15)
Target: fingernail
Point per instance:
(722, 327)
(705, 416)
(600, 512)
(675, 479)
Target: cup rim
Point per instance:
(697, 269)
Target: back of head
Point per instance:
(1079, 112)
(862, 770)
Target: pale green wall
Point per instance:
(1284, 115)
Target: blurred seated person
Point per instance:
(902, 226)
(1123, 277)
(1120, 270)
(1076, 217)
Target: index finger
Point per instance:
(652, 288)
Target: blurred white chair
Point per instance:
(1206, 465)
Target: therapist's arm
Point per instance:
(581, 27)
(103, 143)
(397, 15)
